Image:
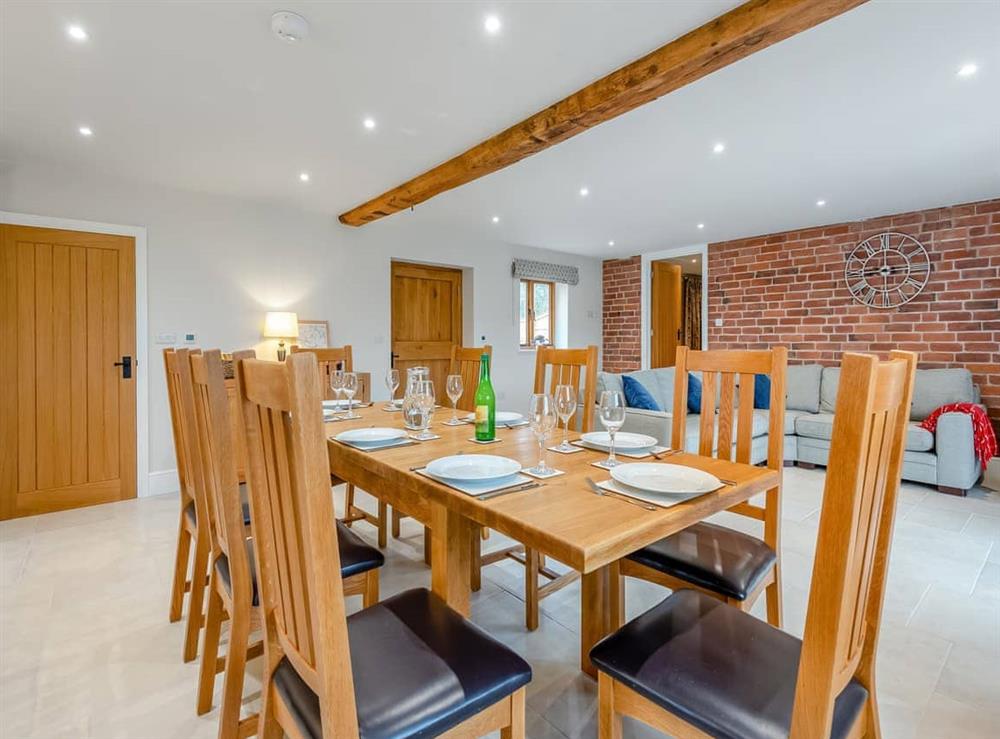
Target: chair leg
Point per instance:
(531, 565)
(476, 576)
(196, 602)
(773, 595)
(349, 505)
(180, 571)
(383, 523)
(370, 596)
(397, 517)
(210, 648)
(616, 592)
(609, 722)
(516, 728)
(268, 726)
(236, 662)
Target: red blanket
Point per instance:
(984, 441)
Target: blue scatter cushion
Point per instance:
(637, 396)
(694, 394)
(762, 392)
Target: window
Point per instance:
(537, 319)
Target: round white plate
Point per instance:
(371, 435)
(501, 417)
(624, 441)
(469, 467)
(665, 478)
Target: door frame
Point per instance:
(141, 328)
(646, 294)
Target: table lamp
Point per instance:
(281, 325)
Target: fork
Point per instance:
(598, 490)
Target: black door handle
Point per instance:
(392, 359)
(126, 365)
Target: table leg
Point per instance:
(595, 614)
(451, 554)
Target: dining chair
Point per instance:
(409, 666)
(553, 367)
(233, 587)
(695, 667)
(329, 359)
(730, 565)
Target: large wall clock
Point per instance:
(887, 270)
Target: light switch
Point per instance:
(166, 338)
(718, 323)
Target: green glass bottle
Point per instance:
(486, 403)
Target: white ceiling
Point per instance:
(865, 111)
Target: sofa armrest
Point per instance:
(957, 466)
(651, 423)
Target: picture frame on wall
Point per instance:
(314, 334)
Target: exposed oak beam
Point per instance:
(736, 35)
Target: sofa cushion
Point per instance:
(660, 384)
(790, 417)
(933, 388)
(828, 389)
(820, 426)
(637, 396)
(761, 392)
(693, 429)
(609, 381)
(694, 394)
(802, 387)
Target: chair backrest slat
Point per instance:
(576, 367)
(465, 362)
(859, 501)
(329, 358)
(296, 539)
(181, 419)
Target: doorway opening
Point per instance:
(676, 306)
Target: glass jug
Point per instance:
(412, 413)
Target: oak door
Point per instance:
(665, 314)
(426, 320)
(67, 316)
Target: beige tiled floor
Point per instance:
(86, 649)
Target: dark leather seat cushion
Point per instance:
(712, 557)
(192, 514)
(419, 669)
(355, 557)
(722, 670)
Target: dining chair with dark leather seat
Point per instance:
(722, 562)
(408, 667)
(694, 667)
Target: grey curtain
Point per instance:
(691, 311)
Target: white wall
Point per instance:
(216, 264)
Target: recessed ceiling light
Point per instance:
(611, 243)
(584, 192)
(86, 131)
(719, 148)
(967, 70)
(290, 27)
(701, 225)
(492, 24)
(496, 219)
(304, 176)
(695, 259)
(369, 123)
(76, 33)
(820, 203)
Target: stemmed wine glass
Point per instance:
(455, 389)
(391, 382)
(612, 413)
(350, 388)
(337, 385)
(424, 395)
(542, 413)
(566, 408)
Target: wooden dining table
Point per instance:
(562, 518)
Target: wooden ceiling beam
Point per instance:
(730, 37)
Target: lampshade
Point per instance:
(281, 325)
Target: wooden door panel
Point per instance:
(665, 313)
(69, 438)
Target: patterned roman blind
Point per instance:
(527, 269)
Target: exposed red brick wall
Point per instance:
(788, 288)
(622, 348)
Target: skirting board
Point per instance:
(163, 482)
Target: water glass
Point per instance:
(350, 389)
(612, 415)
(455, 389)
(425, 400)
(392, 383)
(542, 416)
(565, 408)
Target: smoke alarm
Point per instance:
(290, 27)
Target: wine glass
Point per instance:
(612, 415)
(350, 388)
(337, 385)
(391, 382)
(566, 408)
(424, 395)
(542, 414)
(455, 389)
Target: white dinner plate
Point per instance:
(501, 417)
(624, 440)
(371, 436)
(467, 467)
(665, 478)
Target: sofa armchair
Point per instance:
(945, 459)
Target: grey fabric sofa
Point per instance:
(945, 458)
